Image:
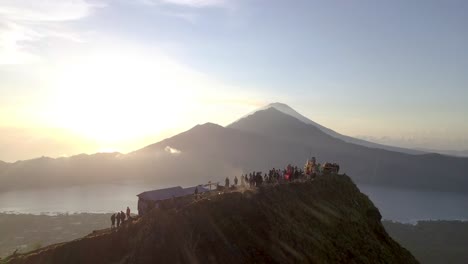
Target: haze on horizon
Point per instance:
(99, 75)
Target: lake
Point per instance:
(394, 204)
(92, 199)
(406, 205)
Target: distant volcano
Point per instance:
(286, 109)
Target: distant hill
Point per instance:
(259, 141)
(433, 242)
(76, 170)
(162, 168)
(324, 221)
(455, 153)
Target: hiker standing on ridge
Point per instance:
(227, 183)
(118, 219)
(235, 180)
(122, 217)
(258, 179)
(128, 213)
(113, 221)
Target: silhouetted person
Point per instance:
(196, 192)
(118, 219)
(122, 217)
(128, 212)
(235, 180)
(227, 183)
(258, 179)
(113, 221)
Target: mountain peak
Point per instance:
(207, 125)
(286, 109)
(279, 105)
(282, 107)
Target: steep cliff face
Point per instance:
(324, 221)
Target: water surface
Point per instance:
(394, 204)
(94, 199)
(406, 205)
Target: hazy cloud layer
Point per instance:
(439, 143)
(23, 23)
(189, 3)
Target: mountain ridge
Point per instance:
(326, 220)
(284, 108)
(209, 152)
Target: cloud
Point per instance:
(13, 38)
(24, 23)
(196, 3)
(189, 3)
(172, 150)
(189, 17)
(41, 10)
(190, 10)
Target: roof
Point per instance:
(167, 193)
(191, 190)
(162, 194)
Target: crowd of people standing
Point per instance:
(257, 178)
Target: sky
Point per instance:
(86, 76)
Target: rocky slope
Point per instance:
(324, 221)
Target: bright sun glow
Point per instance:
(116, 96)
(113, 97)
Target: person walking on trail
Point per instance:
(128, 213)
(113, 221)
(118, 219)
(235, 180)
(227, 183)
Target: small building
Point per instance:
(151, 199)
